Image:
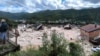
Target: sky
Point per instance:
(30, 6)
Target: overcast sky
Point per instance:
(38, 5)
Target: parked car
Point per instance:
(95, 49)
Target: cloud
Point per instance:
(93, 1)
(38, 5)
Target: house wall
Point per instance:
(90, 35)
(84, 34)
(94, 34)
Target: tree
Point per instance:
(56, 46)
(76, 49)
(96, 53)
(59, 45)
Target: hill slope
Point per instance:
(92, 15)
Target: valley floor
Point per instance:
(34, 38)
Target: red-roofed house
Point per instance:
(90, 31)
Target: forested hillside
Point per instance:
(91, 15)
(71, 16)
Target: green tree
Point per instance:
(76, 49)
(96, 53)
(58, 45)
(54, 47)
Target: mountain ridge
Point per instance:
(45, 13)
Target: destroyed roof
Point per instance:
(68, 25)
(90, 27)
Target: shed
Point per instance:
(90, 31)
(39, 27)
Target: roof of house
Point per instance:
(90, 27)
(68, 25)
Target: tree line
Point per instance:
(72, 16)
(83, 16)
